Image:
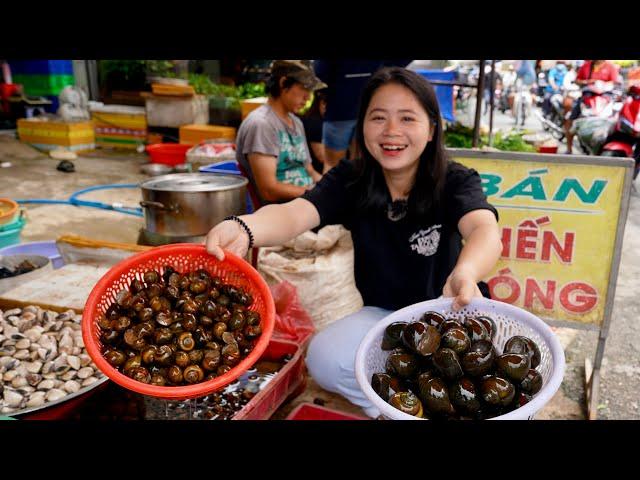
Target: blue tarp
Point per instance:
(444, 93)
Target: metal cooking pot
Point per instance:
(190, 204)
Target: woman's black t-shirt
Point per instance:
(401, 262)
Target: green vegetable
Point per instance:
(458, 136)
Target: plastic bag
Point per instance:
(293, 323)
(593, 131)
(320, 266)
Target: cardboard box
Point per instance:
(194, 134)
(46, 134)
(163, 111)
(249, 105)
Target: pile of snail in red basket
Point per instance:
(178, 329)
(441, 368)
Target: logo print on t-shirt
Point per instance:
(426, 242)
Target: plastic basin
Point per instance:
(46, 249)
(168, 153)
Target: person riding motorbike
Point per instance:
(554, 84)
(589, 73)
(525, 81)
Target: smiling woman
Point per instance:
(408, 208)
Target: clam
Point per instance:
(34, 333)
(33, 379)
(12, 398)
(22, 354)
(71, 386)
(55, 394)
(19, 381)
(85, 372)
(74, 362)
(36, 399)
(89, 381)
(7, 350)
(84, 359)
(60, 364)
(46, 384)
(70, 375)
(34, 367)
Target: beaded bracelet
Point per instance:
(244, 227)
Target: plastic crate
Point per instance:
(289, 381)
(55, 104)
(229, 167)
(41, 85)
(41, 67)
(310, 411)
(49, 135)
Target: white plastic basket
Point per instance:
(509, 320)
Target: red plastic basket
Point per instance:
(309, 411)
(182, 257)
(168, 153)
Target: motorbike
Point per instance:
(553, 118)
(599, 107)
(522, 103)
(624, 140)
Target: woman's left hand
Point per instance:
(461, 284)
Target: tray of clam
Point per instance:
(43, 363)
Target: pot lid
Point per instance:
(194, 182)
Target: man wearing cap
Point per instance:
(271, 144)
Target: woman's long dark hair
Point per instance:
(427, 189)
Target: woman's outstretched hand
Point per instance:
(462, 285)
(228, 235)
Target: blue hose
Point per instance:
(74, 200)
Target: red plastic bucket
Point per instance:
(168, 153)
(549, 149)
